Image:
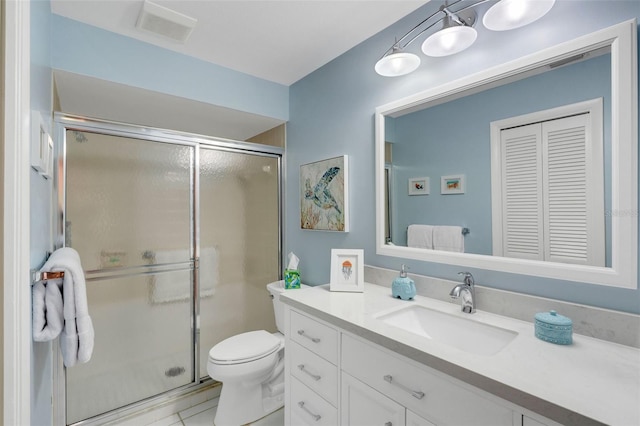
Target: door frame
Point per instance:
(16, 274)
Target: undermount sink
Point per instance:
(461, 333)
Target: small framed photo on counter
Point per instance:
(347, 270)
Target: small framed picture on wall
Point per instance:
(419, 186)
(452, 184)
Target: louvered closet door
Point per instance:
(522, 209)
(571, 176)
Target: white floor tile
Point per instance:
(274, 419)
(189, 412)
(204, 418)
(168, 421)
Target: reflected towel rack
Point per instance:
(39, 276)
(465, 231)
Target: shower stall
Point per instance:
(178, 236)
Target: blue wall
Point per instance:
(455, 138)
(331, 113)
(91, 51)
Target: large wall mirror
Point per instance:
(533, 163)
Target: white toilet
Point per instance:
(250, 366)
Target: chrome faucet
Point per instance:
(468, 292)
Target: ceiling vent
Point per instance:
(165, 22)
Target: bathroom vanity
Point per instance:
(367, 358)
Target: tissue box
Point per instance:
(291, 279)
(554, 328)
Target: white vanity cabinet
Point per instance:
(424, 391)
(312, 372)
(336, 378)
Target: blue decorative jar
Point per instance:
(403, 287)
(554, 328)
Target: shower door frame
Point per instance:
(65, 122)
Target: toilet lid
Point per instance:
(245, 347)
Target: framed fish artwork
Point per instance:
(324, 195)
(347, 270)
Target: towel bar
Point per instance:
(465, 231)
(38, 276)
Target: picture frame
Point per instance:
(347, 270)
(419, 186)
(324, 195)
(452, 184)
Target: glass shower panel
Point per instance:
(129, 215)
(239, 244)
(142, 343)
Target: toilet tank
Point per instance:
(276, 288)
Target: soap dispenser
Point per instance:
(403, 287)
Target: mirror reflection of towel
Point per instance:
(448, 238)
(420, 236)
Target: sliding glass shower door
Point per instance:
(129, 215)
(239, 244)
(178, 239)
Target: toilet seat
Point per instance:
(245, 347)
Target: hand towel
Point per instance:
(420, 236)
(448, 238)
(47, 311)
(165, 288)
(76, 339)
(209, 271)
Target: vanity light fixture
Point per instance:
(397, 63)
(457, 32)
(510, 14)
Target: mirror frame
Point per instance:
(623, 272)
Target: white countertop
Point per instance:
(589, 381)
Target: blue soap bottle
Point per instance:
(403, 287)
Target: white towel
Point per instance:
(209, 271)
(448, 238)
(77, 336)
(420, 236)
(165, 287)
(47, 311)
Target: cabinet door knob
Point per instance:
(414, 393)
(304, 370)
(316, 417)
(313, 339)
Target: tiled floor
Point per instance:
(203, 414)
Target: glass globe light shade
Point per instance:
(449, 40)
(397, 64)
(511, 14)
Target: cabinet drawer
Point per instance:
(315, 372)
(364, 406)
(429, 395)
(308, 407)
(315, 336)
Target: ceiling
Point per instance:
(276, 40)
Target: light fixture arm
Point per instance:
(444, 9)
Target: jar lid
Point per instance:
(552, 317)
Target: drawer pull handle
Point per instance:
(304, 370)
(415, 394)
(316, 417)
(313, 339)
